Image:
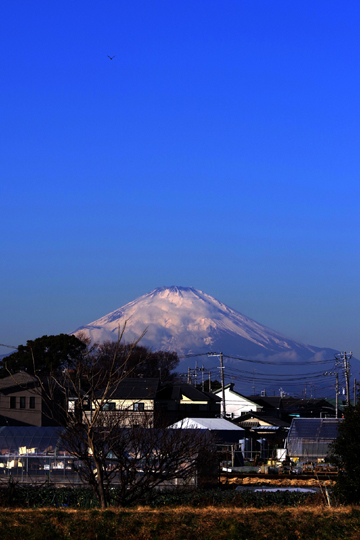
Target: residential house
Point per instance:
(176, 401)
(132, 400)
(23, 403)
(236, 404)
(138, 401)
(264, 433)
(287, 408)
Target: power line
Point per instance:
(266, 362)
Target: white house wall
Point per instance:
(236, 405)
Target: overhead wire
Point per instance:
(315, 379)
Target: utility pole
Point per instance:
(223, 405)
(209, 381)
(343, 359)
(222, 385)
(336, 390)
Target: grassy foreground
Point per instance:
(182, 523)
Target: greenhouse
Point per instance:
(35, 454)
(309, 438)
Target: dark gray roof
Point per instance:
(273, 402)
(136, 388)
(175, 392)
(20, 379)
(289, 403)
(261, 416)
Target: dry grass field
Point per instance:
(280, 481)
(183, 523)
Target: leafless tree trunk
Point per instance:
(136, 460)
(88, 387)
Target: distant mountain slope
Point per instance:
(188, 321)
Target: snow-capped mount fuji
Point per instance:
(188, 321)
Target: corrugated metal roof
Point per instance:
(266, 428)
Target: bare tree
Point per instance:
(136, 460)
(109, 450)
(79, 396)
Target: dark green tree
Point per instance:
(50, 353)
(141, 363)
(345, 453)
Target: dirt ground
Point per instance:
(281, 482)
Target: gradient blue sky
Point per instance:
(219, 149)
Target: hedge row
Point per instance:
(20, 496)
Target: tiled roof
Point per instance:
(17, 379)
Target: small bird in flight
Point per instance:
(111, 57)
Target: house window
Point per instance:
(12, 402)
(109, 407)
(22, 402)
(32, 403)
(71, 405)
(86, 405)
(138, 407)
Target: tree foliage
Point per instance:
(52, 354)
(142, 361)
(345, 453)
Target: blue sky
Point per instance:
(219, 149)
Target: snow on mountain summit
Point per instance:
(189, 321)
